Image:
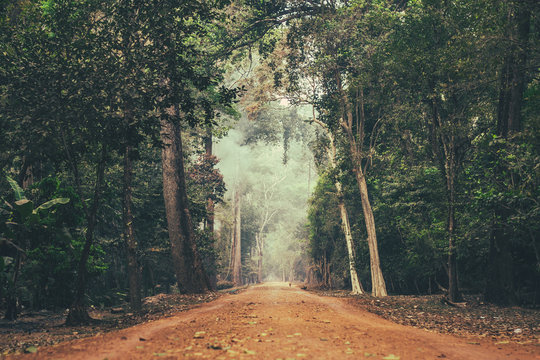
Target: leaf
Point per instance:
(24, 207)
(19, 192)
(199, 335)
(50, 203)
(391, 357)
(31, 350)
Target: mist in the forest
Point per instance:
(271, 189)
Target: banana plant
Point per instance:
(12, 232)
(25, 207)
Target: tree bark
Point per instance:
(78, 313)
(189, 270)
(378, 285)
(11, 298)
(237, 241)
(377, 280)
(210, 203)
(259, 244)
(210, 211)
(346, 227)
(444, 147)
(454, 294)
(356, 286)
(129, 235)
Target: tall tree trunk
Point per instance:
(444, 148)
(237, 239)
(346, 227)
(188, 266)
(210, 211)
(129, 235)
(11, 298)
(450, 165)
(356, 285)
(210, 203)
(78, 313)
(499, 281)
(377, 279)
(378, 285)
(443, 142)
(259, 244)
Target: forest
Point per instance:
(386, 147)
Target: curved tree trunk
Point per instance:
(377, 280)
(78, 314)
(190, 273)
(378, 285)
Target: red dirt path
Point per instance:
(275, 321)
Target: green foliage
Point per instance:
(42, 237)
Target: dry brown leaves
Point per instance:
(475, 319)
(35, 329)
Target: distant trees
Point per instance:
(420, 90)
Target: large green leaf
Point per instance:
(19, 192)
(51, 203)
(25, 207)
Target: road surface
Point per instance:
(275, 321)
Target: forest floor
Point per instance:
(34, 329)
(470, 319)
(275, 321)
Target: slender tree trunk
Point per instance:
(346, 227)
(210, 203)
(259, 244)
(233, 243)
(356, 285)
(444, 148)
(377, 280)
(237, 254)
(210, 212)
(453, 289)
(190, 273)
(11, 298)
(78, 313)
(129, 235)
(378, 285)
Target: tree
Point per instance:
(188, 265)
(341, 72)
(236, 239)
(513, 81)
(346, 227)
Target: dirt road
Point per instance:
(275, 321)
